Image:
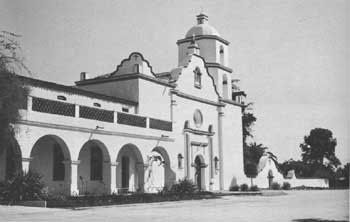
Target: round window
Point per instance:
(198, 118)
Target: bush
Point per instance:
(244, 187)
(234, 188)
(254, 188)
(23, 186)
(275, 186)
(286, 186)
(185, 186)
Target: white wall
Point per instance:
(127, 89)
(233, 146)
(154, 100)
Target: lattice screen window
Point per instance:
(160, 124)
(53, 107)
(132, 120)
(96, 114)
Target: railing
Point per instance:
(160, 124)
(68, 109)
(96, 114)
(131, 120)
(53, 107)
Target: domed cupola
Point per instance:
(202, 27)
(204, 40)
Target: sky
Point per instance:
(292, 56)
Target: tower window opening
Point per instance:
(224, 87)
(222, 55)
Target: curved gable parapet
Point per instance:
(135, 63)
(184, 77)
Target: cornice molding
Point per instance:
(198, 132)
(74, 90)
(94, 131)
(125, 77)
(232, 102)
(219, 66)
(195, 98)
(199, 37)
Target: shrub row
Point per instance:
(85, 201)
(28, 187)
(277, 186)
(244, 187)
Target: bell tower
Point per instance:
(213, 49)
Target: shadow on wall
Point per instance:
(316, 220)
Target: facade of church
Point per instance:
(136, 130)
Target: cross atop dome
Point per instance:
(202, 18)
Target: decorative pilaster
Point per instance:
(211, 163)
(114, 177)
(187, 156)
(172, 106)
(220, 131)
(25, 164)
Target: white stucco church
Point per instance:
(134, 129)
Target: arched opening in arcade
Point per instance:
(51, 158)
(130, 170)
(10, 159)
(199, 175)
(158, 172)
(94, 169)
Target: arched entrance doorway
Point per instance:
(49, 155)
(270, 178)
(130, 170)
(10, 159)
(199, 174)
(94, 168)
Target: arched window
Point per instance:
(222, 55)
(136, 68)
(224, 86)
(180, 161)
(197, 78)
(216, 163)
(96, 163)
(58, 165)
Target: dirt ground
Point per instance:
(297, 206)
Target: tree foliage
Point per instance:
(13, 93)
(317, 146)
(248, 120)
(252, 154)
(23, 186)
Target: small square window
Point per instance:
(125, 109)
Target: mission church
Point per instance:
(134, 130)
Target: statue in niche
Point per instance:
(154, 172)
